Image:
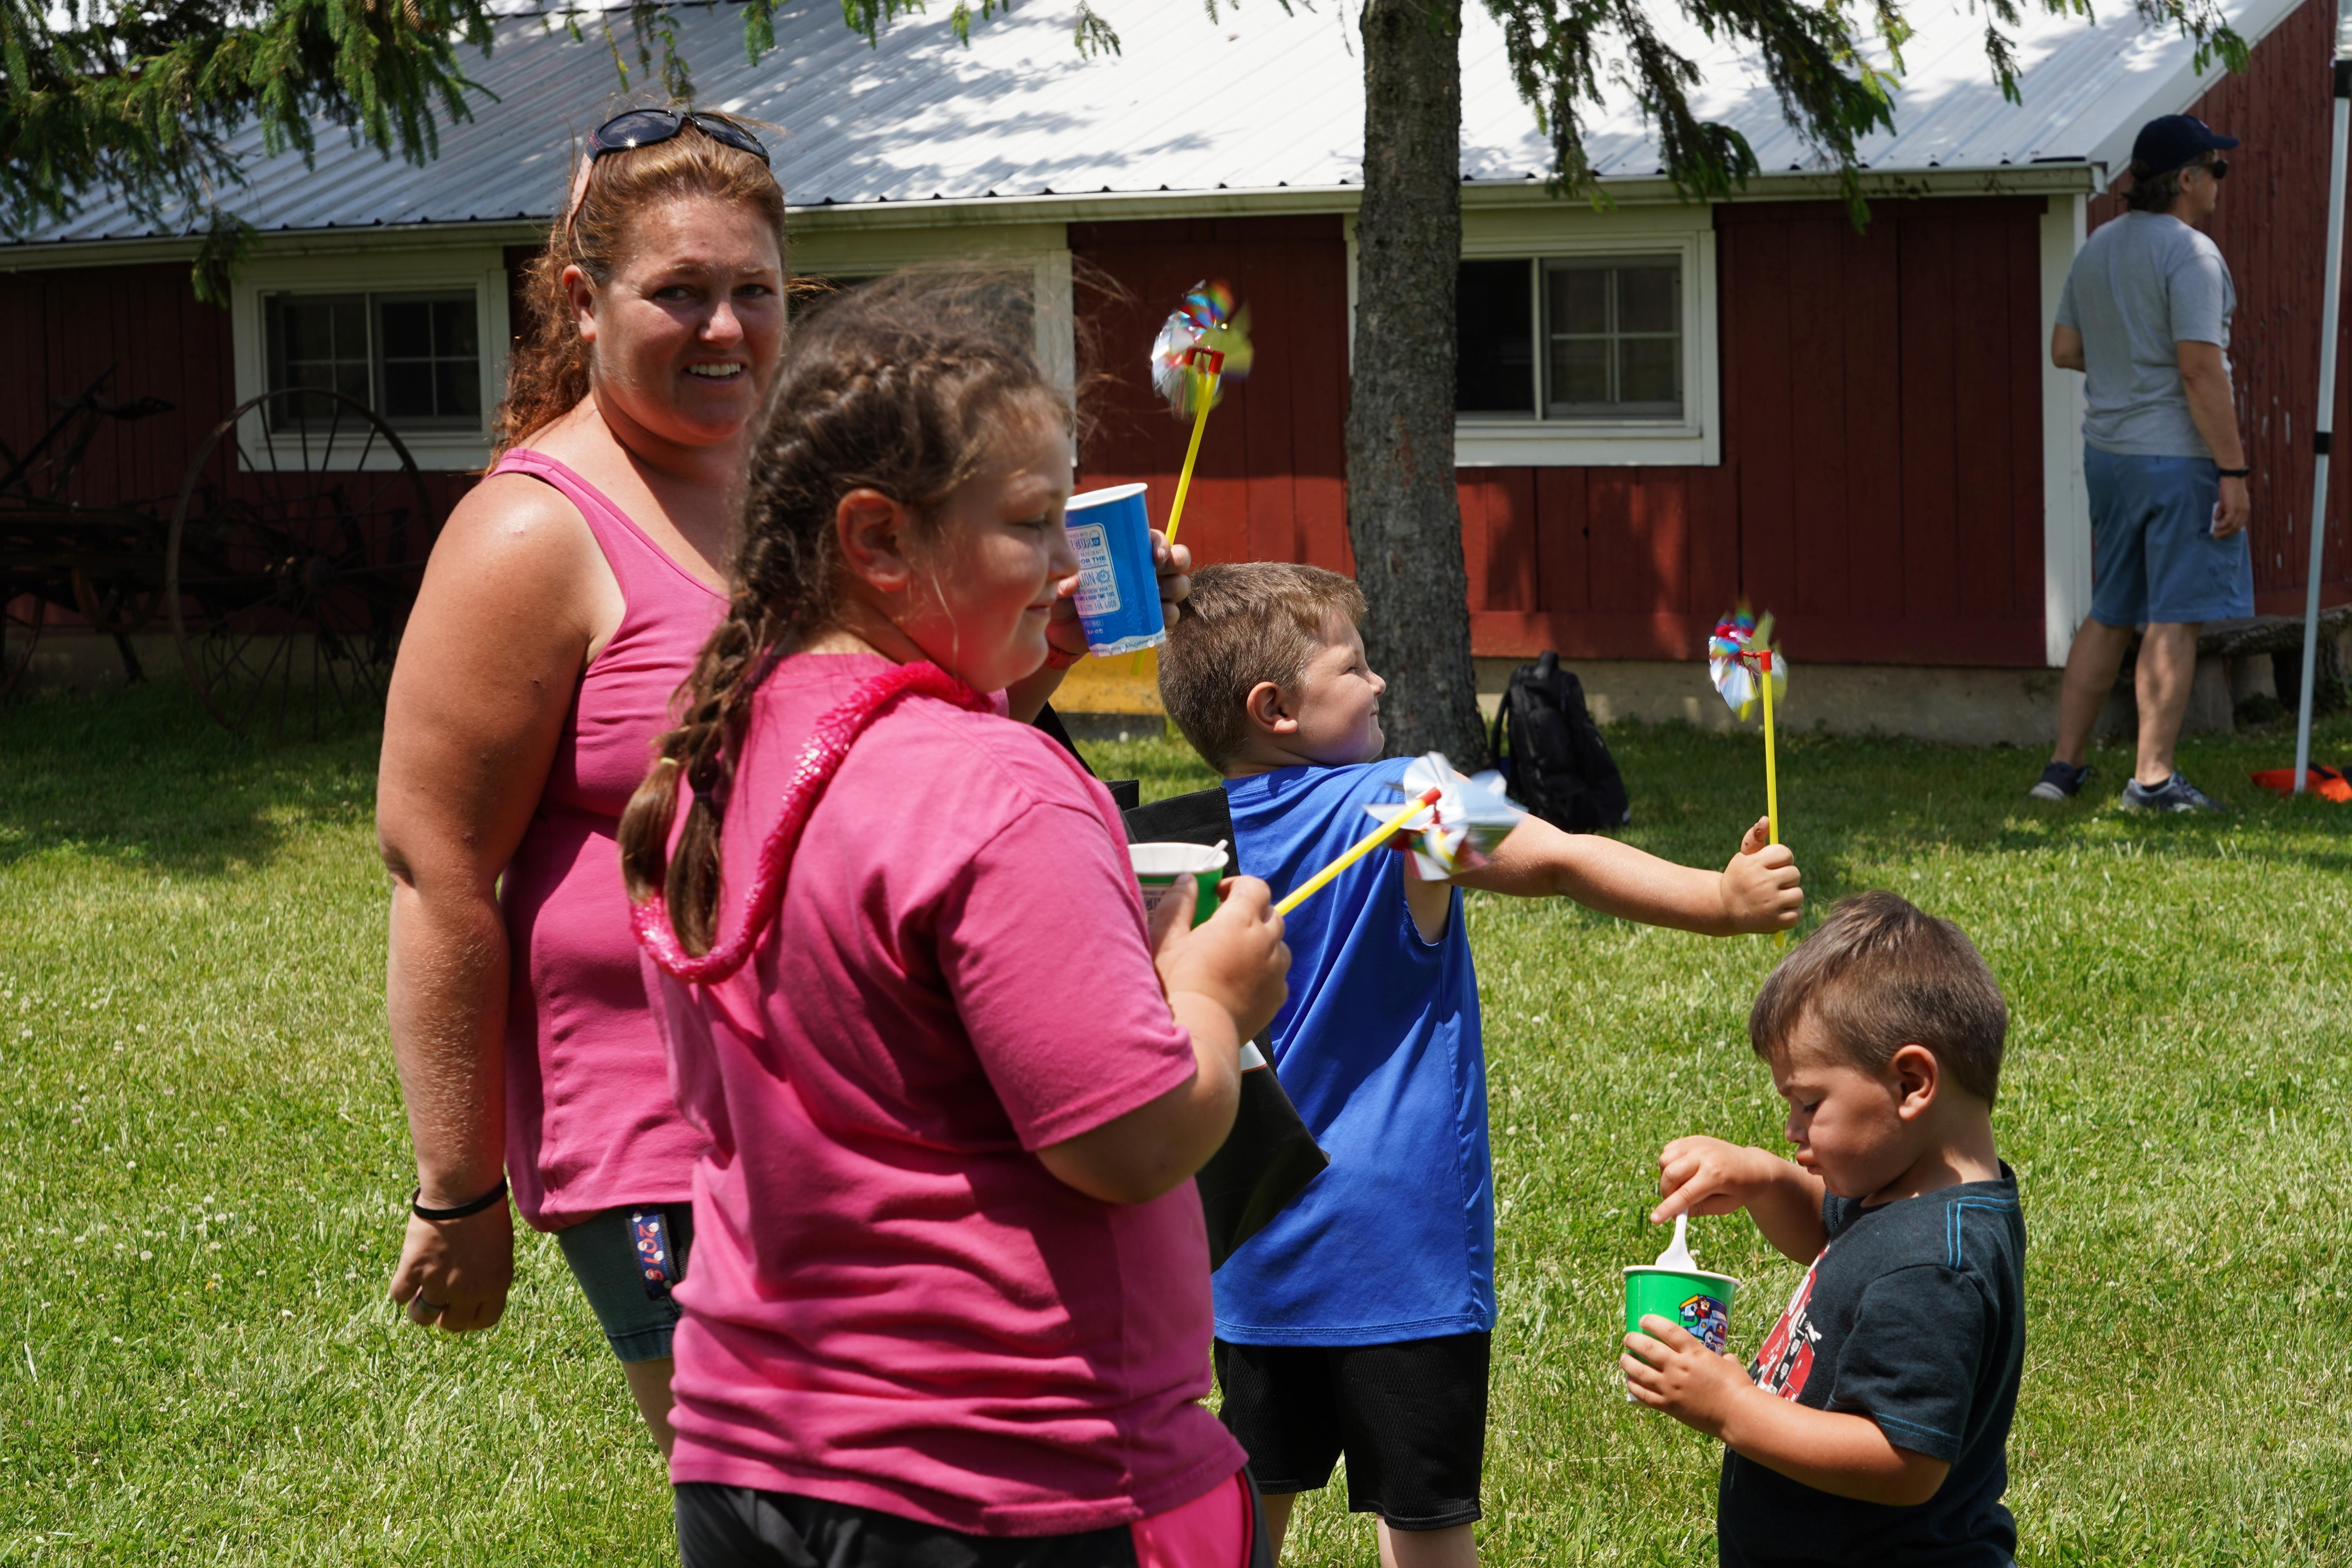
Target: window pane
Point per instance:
(1613, 330)
(408, 389)
(1648, 296)
(454, 329)
(309, 327)
(457, 387)
(407, 329)
(1580, 299)
(317, 341)
(1494, 370)
(1579, 370)
(350, 329)
(430, 365)
(1649, 370)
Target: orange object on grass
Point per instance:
(2329, 783)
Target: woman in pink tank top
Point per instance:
(566, 601)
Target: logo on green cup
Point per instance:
(1708, 1319)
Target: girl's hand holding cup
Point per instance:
(1235, 959)
(1065, 638)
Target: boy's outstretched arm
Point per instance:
(1758, 891)
(1708, 1176)
(1668, 1369)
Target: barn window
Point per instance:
(1571, 338)
(1612, 338)
(1586, 339)
(414, 358)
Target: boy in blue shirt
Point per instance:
(1357, 1322)
(1873, 1427)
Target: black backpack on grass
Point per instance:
(1553, 759)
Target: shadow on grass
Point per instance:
(143, 777)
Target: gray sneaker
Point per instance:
(2060, 782)
(2175, 794)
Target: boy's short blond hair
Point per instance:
(1244, 623)
(1879, 975)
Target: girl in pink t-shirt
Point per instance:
(950, 1298)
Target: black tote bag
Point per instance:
(1270, 1156)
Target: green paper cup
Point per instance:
(1700, 1302)
(1162, 869)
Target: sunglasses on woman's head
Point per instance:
(648, 127)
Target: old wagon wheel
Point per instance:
(291, 566)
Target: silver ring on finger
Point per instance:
(419, 1301)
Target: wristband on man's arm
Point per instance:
(2235, 473)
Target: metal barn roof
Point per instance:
(1258, 101)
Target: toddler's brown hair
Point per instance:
(1880, 974)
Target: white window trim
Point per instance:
(2066, 503)
(1041, 249)
(479, 270)
(1562, 228)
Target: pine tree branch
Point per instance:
(1829, 91)
(146, 97)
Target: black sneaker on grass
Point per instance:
(2060, 782)
(2175, 794)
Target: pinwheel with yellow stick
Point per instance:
(1748, 671)
(1203, 344)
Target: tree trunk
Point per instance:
(1403, 517)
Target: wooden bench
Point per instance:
(2256, 655)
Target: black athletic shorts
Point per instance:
(1410, 1417)
(741, 1527)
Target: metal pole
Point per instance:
(2332, 281)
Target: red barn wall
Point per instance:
(1881, 484)
(2271, 227)
(1271, 481)
(68, 325)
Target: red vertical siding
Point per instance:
(1270, 480)
(1881, 487)
(2271, 225)
(63, 327)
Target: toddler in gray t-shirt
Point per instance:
(2141, 284)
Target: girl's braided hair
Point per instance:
(547, 373)
(898, 386)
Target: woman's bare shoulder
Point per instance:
(516, 556)
(515, 513)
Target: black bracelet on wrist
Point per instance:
(2235, 473)
(496, 1194)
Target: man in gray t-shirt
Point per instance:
(2146, 316)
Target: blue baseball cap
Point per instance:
(2171, 140)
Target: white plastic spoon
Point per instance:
(1677, 1256)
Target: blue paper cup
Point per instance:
(1119, 593)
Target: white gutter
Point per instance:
(2023, 179)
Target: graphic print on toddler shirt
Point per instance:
(1787, 1358)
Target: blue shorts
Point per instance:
(2154, 559)
(628, 1260)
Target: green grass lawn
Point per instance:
(206, 1165)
